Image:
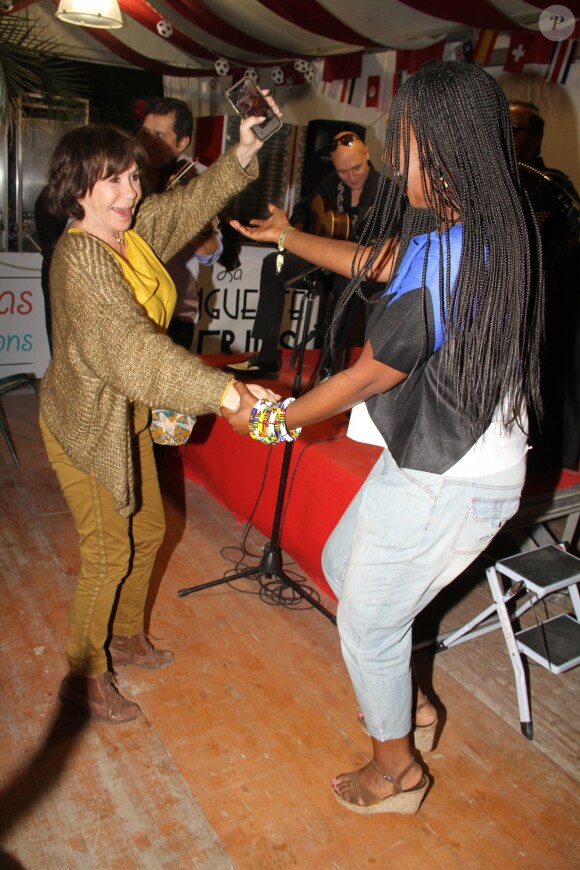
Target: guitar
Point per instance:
(324, 221)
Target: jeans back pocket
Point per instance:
(483, 520)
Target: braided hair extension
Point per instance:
(493, 326)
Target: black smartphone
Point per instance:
(247, 99)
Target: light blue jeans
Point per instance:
(404, 537)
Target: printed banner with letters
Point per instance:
(23, 340)
(228, 303)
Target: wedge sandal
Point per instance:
(363, 801)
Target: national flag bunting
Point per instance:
(484, 45)
(526, 47)
(563, 56)
(373, 90)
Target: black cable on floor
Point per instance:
(272, 590)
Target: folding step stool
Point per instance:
(553, 643)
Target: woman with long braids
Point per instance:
(448, 370)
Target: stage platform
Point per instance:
(326, 471)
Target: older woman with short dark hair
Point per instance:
(112, 300)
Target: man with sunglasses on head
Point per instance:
(348, 190)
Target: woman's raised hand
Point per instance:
(267, 230)
(249, 144)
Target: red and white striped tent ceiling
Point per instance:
(270, 32)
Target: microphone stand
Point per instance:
(271, 561)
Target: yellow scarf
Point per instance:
(152, 285)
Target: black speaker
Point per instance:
(317, 161)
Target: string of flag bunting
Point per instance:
(371, 80)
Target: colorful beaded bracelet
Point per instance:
(268, 422)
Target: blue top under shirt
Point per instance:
(410, 273)
(419, 420)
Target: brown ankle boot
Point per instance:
(99, 697)
(138, 650)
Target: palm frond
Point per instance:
(29, 63)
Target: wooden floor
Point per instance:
(229, 765)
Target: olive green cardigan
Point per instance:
(107, 354)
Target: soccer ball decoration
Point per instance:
(164, 29)
(301, 66)
(251, 73)
(222, 67)
(278, 75)
(309, 73)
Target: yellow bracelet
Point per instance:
(282, 236)
(229, 384)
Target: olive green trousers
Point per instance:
(117, 554)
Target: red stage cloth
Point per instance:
(326, 471)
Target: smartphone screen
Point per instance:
(247, 99)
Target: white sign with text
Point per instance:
(228, 303)
(23, 340)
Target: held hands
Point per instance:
(260, 392)
(267, 230)
(249, 144)
(237, 409)
(264, 420)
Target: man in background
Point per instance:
(528, 126)
(166, 132)
(555, 202)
